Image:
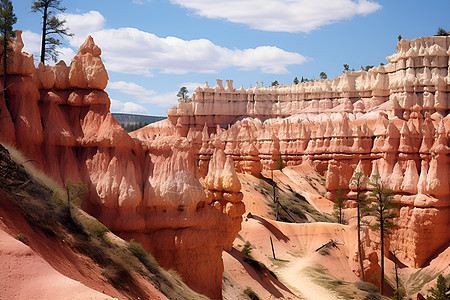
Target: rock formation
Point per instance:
(393, 119)
(143, 188)
(172, 186)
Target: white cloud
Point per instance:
(131, 107)
(191, 86)
(143, 95)
(32, 42)
(281, 15)
(128, 107)
(130, 88)
(66, 54)
(142, 52)
(132, 51)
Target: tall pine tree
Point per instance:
(7, 20)
(381, 208)
(51, 26)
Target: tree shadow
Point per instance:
(262, 275)
(275, 231)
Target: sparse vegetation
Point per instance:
(247, 249)
(85, 235)
(134, 126)
(251, 294)
(22, 238)
(7, 20)
(441, 291)
(338, 207)
(274, 83)
(381, 208)
(442, 32)
(51, 25)
(323, 75)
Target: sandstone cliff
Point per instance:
(392, 121)
(141, 188)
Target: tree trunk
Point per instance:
(382, 253)
(361, 265)
(5, 57)
(44, 33)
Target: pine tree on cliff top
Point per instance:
(51, 26)
(7, 20)
(381, 208)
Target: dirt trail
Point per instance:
(295, 276)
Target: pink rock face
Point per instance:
(146, 188)
(173, 185)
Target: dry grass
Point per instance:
(38, 197)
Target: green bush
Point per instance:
(22, 238)
(247, 248)
(94, 227)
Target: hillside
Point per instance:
(49, 250)
(129, 119)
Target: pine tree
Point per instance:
(7, 20)
(51, 26)
(358, 180)
(323, 75)
(441, 292)
(339, 206)
(296, 80)
(381, 208)
(183, 94)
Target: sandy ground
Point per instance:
(25, 275)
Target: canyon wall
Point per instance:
(391, 120)
(149, 190)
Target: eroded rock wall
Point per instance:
(149, 190)
(392, 121)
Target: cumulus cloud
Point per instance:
(281, 15)
(143, 95)
(128, 107)
(132, 51)
(130, 88)
(32, 42)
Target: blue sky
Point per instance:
(153, 47)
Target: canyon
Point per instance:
(174, 185)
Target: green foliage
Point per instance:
(346, 67)
(22, 238)
(441, 32)
(381, 206)
(338, 207)
(95, 227)
(399, 294)
(367, 68)
(323, 75)
(366, 286)
(75, 191)
(441, 291)
(275, 83)
(280, 164)
(7, 20)
(251, 294)
(134, 126)
(247, 249)
(399, 37)
(51, 26)
(183, 94)
(144, 257)
(295, 80)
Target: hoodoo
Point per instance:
(173, 185)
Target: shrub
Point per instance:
(144, 257)
(95, 227)
(251, 294)
(247, 248)
(22, 238)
